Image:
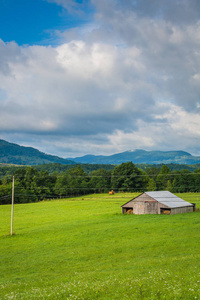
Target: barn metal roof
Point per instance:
(168, 199)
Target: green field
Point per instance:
(84, 248)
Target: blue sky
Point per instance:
(100, 77)
(34, 22)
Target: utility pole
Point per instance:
(12, 207)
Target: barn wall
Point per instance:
(145, 207)
(138, 208)
(181, 210)
(151, 207)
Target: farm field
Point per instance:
(84, 248)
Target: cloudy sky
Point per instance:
(100, 77)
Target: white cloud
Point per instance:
(130, 81)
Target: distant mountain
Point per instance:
(141, 157)
(14, 154)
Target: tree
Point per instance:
(184, 181)
(73, 182)
(100, 181)
(151, 185)
(127, 177)
(25, 187)
(196, 177)
(5, 193)
(78, 180)
(163, 177)
(62, 185)
(44, 184)
(152, 172)
(169, 186)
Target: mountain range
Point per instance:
(141, 157)
(11, 153)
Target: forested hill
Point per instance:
(141, 157)
(14, 154)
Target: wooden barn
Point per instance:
(161, 202)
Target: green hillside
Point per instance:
(14, 154)
(84, 248)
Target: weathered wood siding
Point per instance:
(182, 210)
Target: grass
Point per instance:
(84, 248)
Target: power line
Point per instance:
(7, 196)
(112, 176)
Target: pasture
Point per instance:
(84, 248)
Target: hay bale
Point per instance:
(111, 192)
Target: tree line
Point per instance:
(32, 185)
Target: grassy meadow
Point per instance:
(84, 248)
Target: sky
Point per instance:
(100, 77)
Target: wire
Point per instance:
(5, 197)
(50, 176)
